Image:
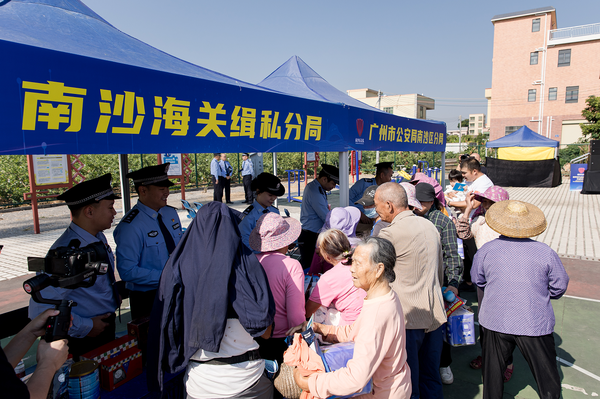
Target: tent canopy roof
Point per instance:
(70, 26)
(524, 137)
(296, 78)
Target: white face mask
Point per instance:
(371, 213)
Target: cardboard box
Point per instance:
(451, 307)
(120, 361)
(460, 328)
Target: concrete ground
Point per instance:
(573, 232)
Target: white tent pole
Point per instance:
(123, 170)
(344, 179)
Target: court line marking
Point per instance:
(583, 299)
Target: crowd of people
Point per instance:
(223, 297)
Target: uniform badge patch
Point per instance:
(153, 233)
(130, 216)
(175, 226)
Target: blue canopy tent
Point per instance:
(74, 84)
(295, 77)
(525, 159)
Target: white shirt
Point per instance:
(223, 381)
(479, 186)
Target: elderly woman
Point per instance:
(271, 238)
(345, 219)
(336, 287)
(483, 234)
(378, 333)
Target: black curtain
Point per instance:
(505, 173)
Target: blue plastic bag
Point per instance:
(337, 356)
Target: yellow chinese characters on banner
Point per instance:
(400, 135)
(61, 108)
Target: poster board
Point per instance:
(50, 169)
(175, 167)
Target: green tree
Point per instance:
(464, 123)
(591, 130)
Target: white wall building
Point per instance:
(407, 105)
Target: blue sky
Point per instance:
(398, 47)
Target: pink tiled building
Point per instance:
(542, 75)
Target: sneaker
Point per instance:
(447, 376)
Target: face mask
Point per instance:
(371, 213)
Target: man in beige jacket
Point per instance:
(419, 272)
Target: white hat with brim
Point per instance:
(516, 219)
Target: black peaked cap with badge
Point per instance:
(152, 175)
(89, 192)
(269, 183)
(331, 172)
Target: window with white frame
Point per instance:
(531, 96)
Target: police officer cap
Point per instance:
(368, 198)
(269, 183)
(331, 172)
(384, 165)
(246, 154)
(89, 192)
(152, 175)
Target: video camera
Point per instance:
(65, 267)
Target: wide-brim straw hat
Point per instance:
(516, 219)
(272, 232)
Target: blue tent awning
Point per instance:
(524, 137)
(74, 84)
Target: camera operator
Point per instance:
(50, 356)
(91, 204)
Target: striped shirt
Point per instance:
(519, 276)
(419, 270)
(453, 265)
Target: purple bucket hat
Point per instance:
(411, 194)
(273, 232)
(344, 219)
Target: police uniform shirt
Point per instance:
(358, 189)
(91, 301)
(215, 169)
(249, 222)
(226, 166)
(314, 207)
(141, 248)
(247, 168)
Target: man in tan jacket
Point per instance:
(419, 272)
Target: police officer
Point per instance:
(226, 166)
(247, 173)
(267, 188)
(146, 236)
(314, 211)
(218, 177)
(92, 210)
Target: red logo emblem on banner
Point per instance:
(359, 126)
(581, 170)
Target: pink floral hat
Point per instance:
(273, 232)
(494, 193)
(411, 194)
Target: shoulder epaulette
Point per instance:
(247, 211)
(369, 180)
(130, 216)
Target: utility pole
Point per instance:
(378, 106)
(459, 132)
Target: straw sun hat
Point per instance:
(516, 219)
(272, 232)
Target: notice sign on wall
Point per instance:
(175, 161)
(577, 172)
(50, 169)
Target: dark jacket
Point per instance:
(209, 271)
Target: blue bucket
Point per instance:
(84, 380)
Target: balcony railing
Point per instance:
(575, 31)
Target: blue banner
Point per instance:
(59, 103)
(577, 173)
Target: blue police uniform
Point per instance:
(358, 189)
(141, 248)
(314, 207)
(253, 213)
(247, 173)
(247, 168)
(100, 298)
